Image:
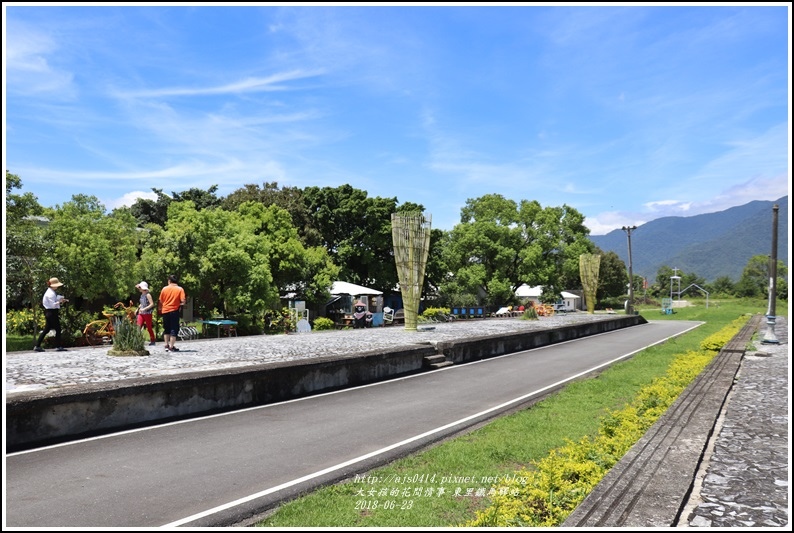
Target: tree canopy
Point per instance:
(500, 244)
(24, 244)
(613, 277)
(235, 261)
(756, 275)
(92, 252)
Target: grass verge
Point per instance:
(19, 343)
(447, 484)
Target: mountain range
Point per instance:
(710, 245)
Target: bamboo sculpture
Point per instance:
(589, 265)
(411, 238)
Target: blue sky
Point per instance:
(627, 114)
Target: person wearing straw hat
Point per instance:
(144, 311)
(52, 302)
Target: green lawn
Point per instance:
(19, 343)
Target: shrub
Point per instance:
(323, 323)
(436, 313)
(279, 322)
(248, 325)
(128, 337)
(530, 313)
(72, 323)
(461, 300)
(22, 322)
(611, 303)
(721, 338)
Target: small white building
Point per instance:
(568, 301)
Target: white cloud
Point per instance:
(767, 189)
(603, 223)
(248, 85)
(130, 198)
(667, 206)
(28, 67)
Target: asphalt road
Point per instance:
(223, 469)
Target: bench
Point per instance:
(344, 322)
(399, 317)
(468, 312)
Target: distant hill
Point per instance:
(710, 245)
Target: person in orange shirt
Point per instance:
(171, 299)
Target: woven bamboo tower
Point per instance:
(589, 266)
(411, 237)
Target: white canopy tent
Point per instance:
(343, 287)
(344, 295)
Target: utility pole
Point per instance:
(630, 306)
(770, 337)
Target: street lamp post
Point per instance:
(630, 306)
(770, 337)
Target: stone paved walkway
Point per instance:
(745, 479)
(33, 371)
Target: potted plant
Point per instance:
(127, 340)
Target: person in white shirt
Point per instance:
(52, 302)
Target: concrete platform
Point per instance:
(56, 396)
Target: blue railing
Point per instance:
(468, 312)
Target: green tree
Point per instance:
(690, 278)
(637, 285)
(612, 277)
(288, 198)
(663, 285)
(722, 286)
(235, 261)
(356, 231)
(92, 253)
(782, 288)
(436, 270)
(148, 211)
(353, 228)
(222, 264)
(754, 281)
(307, 271)
(19, 206)
(24, 245)
(201, 199)
(500, 244)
